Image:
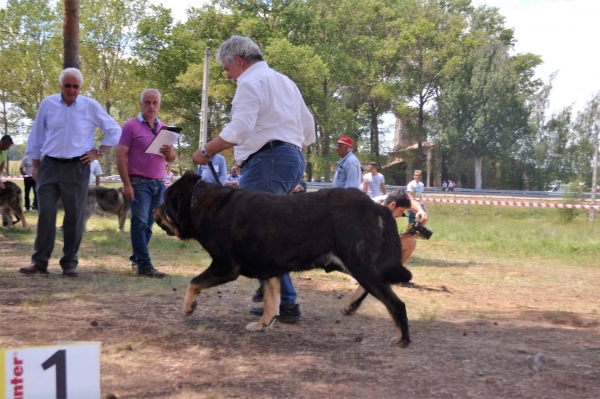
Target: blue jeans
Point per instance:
(148, 195)
(276, 170)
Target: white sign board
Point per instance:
(51, 372)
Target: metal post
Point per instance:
(71, 34)
(204, 106)
(595, 172)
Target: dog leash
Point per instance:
(214, 172)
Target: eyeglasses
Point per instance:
(68, 86)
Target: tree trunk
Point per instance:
(71, 34)
(374, 128)
(478, 162)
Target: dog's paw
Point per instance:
(400, 342)
(254, 327)
(190, 310)
(259, 326)
(348, 311)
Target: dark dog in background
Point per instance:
(11, 198)
(262, 235)
(107, 200)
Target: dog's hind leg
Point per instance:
(122, 220)
(395, 307)
(359, 295)
(271, 294)
(209, 278)
(18, 210)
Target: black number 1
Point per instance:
(59, 359)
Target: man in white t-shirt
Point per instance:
(374, 182)
(415, 191)
(95, 173)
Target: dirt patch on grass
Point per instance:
(479, 329)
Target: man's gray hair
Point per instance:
(70, 72)
(150, 91)
(239, 45)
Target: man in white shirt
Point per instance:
(374, 182)
(26, 170)
(270, 125)
(415, 191)
(95, 173)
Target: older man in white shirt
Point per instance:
(270, 125)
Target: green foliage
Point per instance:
(513, 233)
(443, 66)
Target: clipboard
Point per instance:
(167, 135)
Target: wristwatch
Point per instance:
(204, 153)
(100, 152)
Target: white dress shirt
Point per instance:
(61, 131)
(267, 106)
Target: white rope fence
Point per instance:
(512, 203)
(457, 201)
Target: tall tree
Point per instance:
(482, 109)
(108, 34)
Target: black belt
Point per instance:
(145, 178)
(64, 160)
(269, 145)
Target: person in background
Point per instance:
(347, 171)
(95, 173)
(168, 175)
(143, 176)
(399, 203)
(220, 166)
(26, 169)
(415, 191)
(270, 126)
(63, 130)
(374, 182)
(233, 179)
(5, 143)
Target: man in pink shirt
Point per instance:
(142, 175)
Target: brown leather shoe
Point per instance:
(70, 272)
(33, 269)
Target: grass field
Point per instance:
(505, 305)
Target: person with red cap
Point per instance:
(347, 171)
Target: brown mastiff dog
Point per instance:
(262, 235)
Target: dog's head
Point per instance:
(174, 214)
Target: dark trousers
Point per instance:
(68, 181)
(29, 185)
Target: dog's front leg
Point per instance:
(271, 294)
(209, 278)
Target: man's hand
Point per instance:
(421, 216)
(168, 151)
(232, 183)
(199, 159)
(128, 192)
(90, 157)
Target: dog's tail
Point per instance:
(392, 270)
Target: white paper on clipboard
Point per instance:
(163, 137)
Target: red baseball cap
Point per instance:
(347, 141)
